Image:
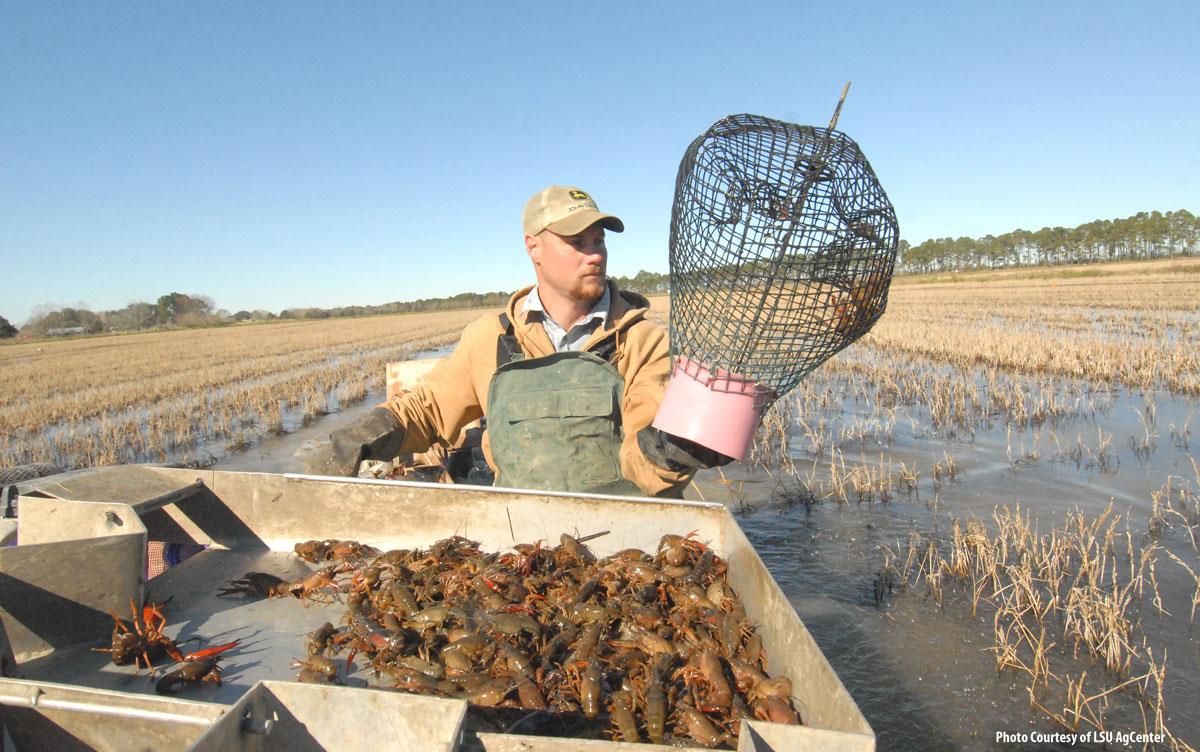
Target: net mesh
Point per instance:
(783, 244)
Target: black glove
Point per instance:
(676, 453)
(376, 436)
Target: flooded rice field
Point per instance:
(192, 396)
(858, 525)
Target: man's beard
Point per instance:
(589, 289)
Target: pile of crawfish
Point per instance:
(633, 646)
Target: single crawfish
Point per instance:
(320, 664)
(490, 693)
(529, 695)
(307, 587)
(640, 616)
(366, 579)
(775, 710)
(433, 670)
(589, 689)
(780, 687)
(643, 573)
(585, 613)
(655, 698)
(470, 644)
(699, 727)
(318, 639)
(731, 632)
(491, 598)
(528, 557)
(409, 680)
(404, 603)
(753, 650)
(146, 642)
(706, 666)
(745, 674)
(651, 643)
(312, 551)
(456, 661)
(434, 616)
(555, 645)
(571, 550)
(679, 550)
(192, 672)
(720, 593)
(347, 550)
(620, 710)
(703, 568)
(516, 661)
(513, 624)
(585, 646)
(257, 583)
(453, 548)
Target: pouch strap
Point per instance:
(508, 350)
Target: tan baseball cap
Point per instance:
(566, 210)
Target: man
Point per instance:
(569, 377)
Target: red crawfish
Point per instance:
(309, 586)
(144, 642)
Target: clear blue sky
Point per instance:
(274, 155)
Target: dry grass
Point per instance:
(1136, 324)
(108, 400)
(1141, 329)
(1077, 591)
(1157, 267)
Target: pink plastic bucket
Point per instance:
(716, 411)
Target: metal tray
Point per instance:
(82, 547)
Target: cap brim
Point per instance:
(580, 221)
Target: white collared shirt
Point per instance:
(572, 340)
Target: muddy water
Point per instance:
(922, 672)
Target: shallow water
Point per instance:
(922, 673)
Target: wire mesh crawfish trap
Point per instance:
(782, 248)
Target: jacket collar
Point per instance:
(627, 308)
(533, 302)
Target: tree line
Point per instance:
(1145, 235)
(173, 309)
(179, 310)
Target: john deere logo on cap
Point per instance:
(579, 195)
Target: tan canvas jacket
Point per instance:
(455, 392)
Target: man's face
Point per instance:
(572, 265)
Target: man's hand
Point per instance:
(676, 453)
(376, 436)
